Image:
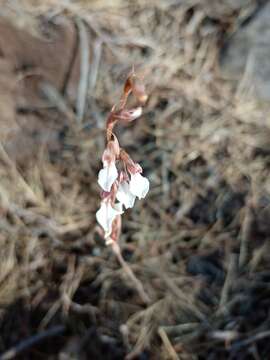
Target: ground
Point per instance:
(199, 241)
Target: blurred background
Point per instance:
(199, 241)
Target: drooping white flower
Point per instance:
(106, 215)
(124, 195)
(139, 185)
(107, 176)
(132, 114)
(129, 115)
(135, 113)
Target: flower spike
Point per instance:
(120, 185)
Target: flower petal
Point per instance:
(139, 185)
(119, 208)
(130, 115)
(107, 176)
(106, 215)
(125, 196)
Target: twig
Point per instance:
(84, 69)
(229, 280)
(130, 273)
(181, 329)
(50, 314)
(33, 340)
(57, 100)
(84, 309)
(167, 344)
(70, 66)
(246, 236)
(17, 176)
(95, 65)
(252, 339)
(183, 299)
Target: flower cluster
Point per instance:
(120, 178)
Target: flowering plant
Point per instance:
(120, 179)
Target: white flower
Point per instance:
(106, 215)
(107, 176)
(139, 185)
(124, 195)
(130, 115)
(135, 113)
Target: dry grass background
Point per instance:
(199, 242)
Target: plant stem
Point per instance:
(130, 273)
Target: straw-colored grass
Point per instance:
(199, 242)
